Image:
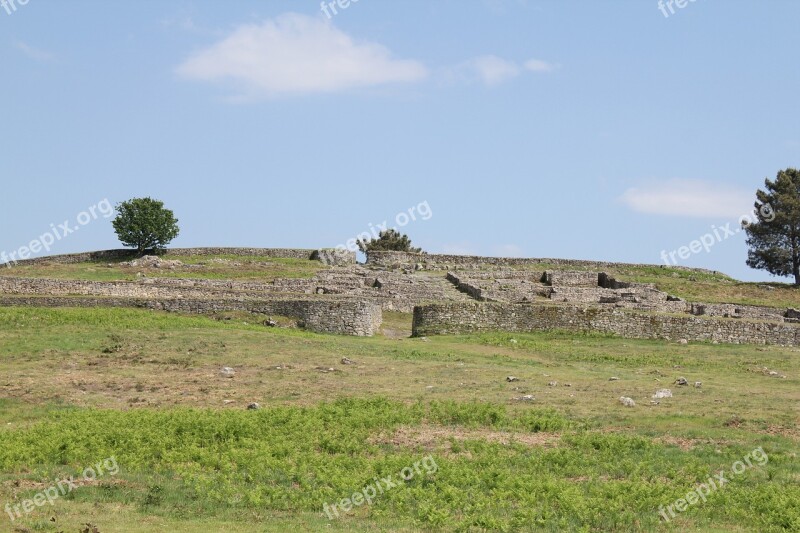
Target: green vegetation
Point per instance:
(288, 459)
(82, 385)
(388, 240)
(197, 267)
(774, 239)
(145, 224)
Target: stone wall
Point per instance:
(122, 289)
(569, 278)
(332, 256)
(445, 262)
(739, 311)
(464, 285)
(393, 291)
(326, 256)
(474, 317)
(341, 317)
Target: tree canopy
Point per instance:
(145, 224)
(774, 239)
(388, 240)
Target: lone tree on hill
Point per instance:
(388, 240)
(144, 223)
(774, 240)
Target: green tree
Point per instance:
(144, 223)
(389, 240)
(774, 239)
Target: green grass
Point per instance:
(289, 459)
(199, 267)
(82, 385)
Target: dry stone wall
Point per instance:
(123, 289)
(452, 318)
(349, 299)
(446, 262)
(740, 311)
(341, 317)
(567, 278)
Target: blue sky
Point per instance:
(594, 130)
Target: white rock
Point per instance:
(627, 402)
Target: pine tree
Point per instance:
(774, 240)
(389, 240)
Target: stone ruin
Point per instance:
(446, 293)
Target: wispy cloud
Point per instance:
(33, 53)
(293, 54)
(537, 65)
(689, 198)
(492, 70)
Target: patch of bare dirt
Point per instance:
(792, 432)
(687, 444)
(394, 333)
(436, 437)
(21, 485)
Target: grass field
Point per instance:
(198, 267)
(80, 387)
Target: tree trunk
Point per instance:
(796, 269)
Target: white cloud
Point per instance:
(33, 53)
(537, 65)
(689, 198)
(295, 53)
(493, 70)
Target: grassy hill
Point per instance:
(551, 450)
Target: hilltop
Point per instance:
(226, 415)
